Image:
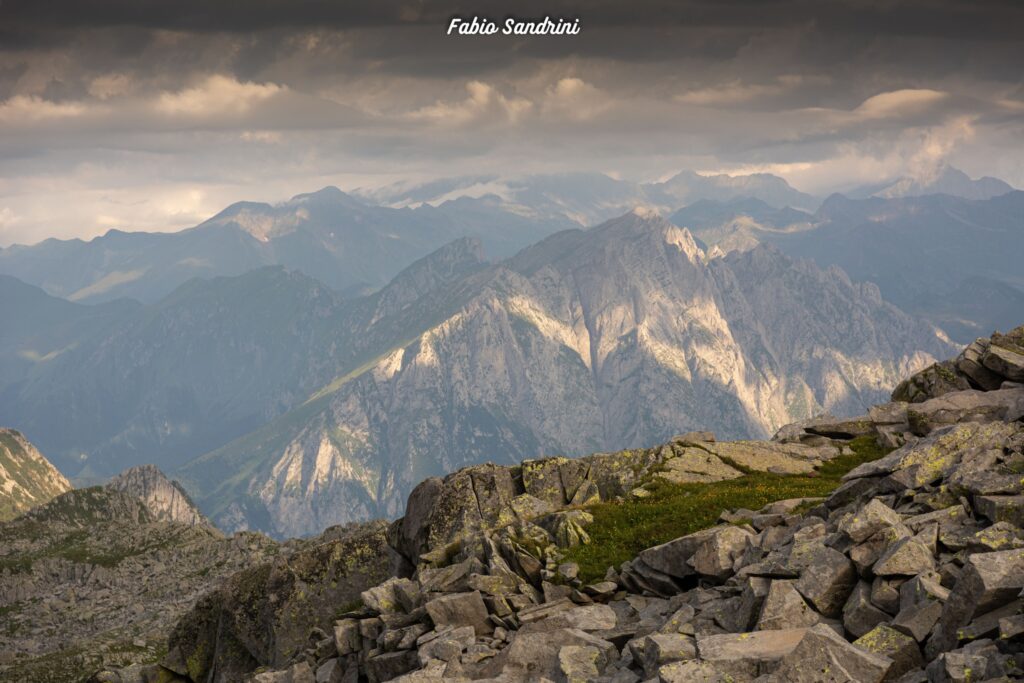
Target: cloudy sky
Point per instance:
(136, 114)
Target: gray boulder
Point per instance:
(824, 657)
(826, 580)
(899, 647)
(460, 609)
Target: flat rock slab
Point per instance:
(767, 456)
(460, 609)
(696, 465)
(757, 646)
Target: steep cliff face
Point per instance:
(615, 337)
(27, 479)
(165, 499)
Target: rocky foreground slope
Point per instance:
(98, 575)
(27, 478)
(912, 570)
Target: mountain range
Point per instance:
(346, 243)
(592, 198)
(312, 408)
(303, 382)
(943, 180)
(615, 337)
(952, 260)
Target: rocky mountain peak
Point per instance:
(437, 269)
(27, 479)
(165, 498)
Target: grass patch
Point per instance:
(622, 529)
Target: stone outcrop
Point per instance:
(165, 498)
(912, 570)
(986, 364)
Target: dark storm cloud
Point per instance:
(180, 107)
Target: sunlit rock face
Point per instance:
(620, 336)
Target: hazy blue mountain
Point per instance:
(709, 213)
(617, 336)
(919, 250)
(953, 260)
(591, 198)
(346, 243)
(102, 386)
(688, 187)
(947, 180)
(38, 328)
(738, 224)
(213, 359)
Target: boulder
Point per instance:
(1001, 508)
(899, 647)
(917, 620)
(298, 673)
(346, 636)
(696, 465)
(1005, 355)
(906, 557)
(568, 528)
(664, 648)
(331, 671)
(969, 363)
(784, 608)
(925, 587)
(715, 556)
(533, 655)
(382, 598)
(1004, 405)
(865, 555)
(583, 618)
(859, 614)
(767, 456)
(824, 657)
(388, 666)
(868, 520)
(543, 480)
(987, 581)
(672, 558)
(581, 663)
(748, 655)
(454, 578)
(935, 380)
(842, 428)
(826, 580)
(460, 609)
(446, 644)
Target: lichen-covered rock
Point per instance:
(935, 380)
(785, 608)
(460, 609)
(748, 655)
(900, 648)
(823, 656)
(716, 554)
(826, 580)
